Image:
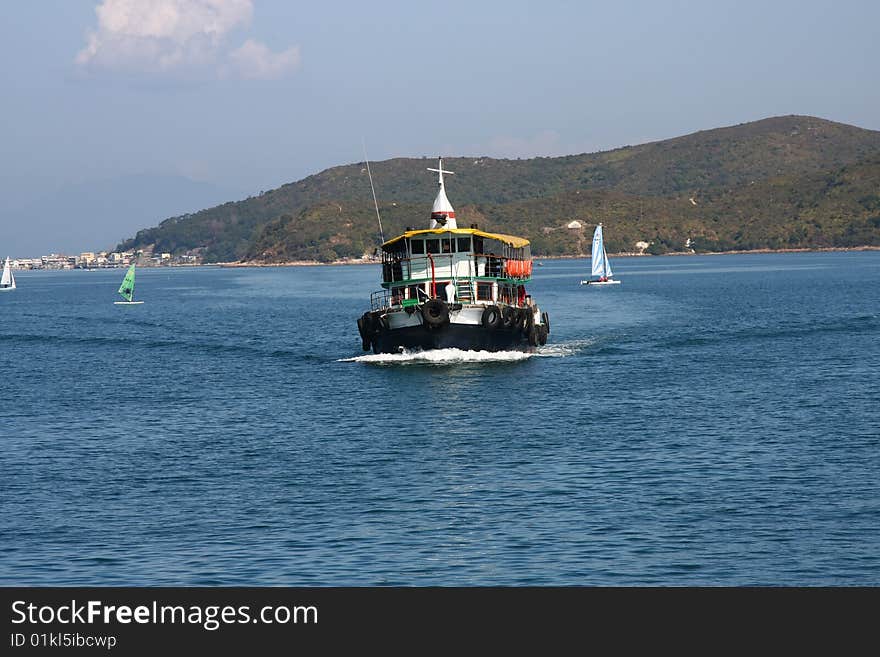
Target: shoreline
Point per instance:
(359, 261)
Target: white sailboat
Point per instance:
(7, 281)
(601, 267)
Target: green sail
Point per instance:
(127, 287)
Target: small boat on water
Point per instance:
(451, 287)
(7, 280)
(600, 265)
(126, 290)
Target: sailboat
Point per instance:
(7, 281)
(126, 290)
(599, 258)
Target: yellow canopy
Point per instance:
(511, 240)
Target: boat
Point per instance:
(601, 267)
(126, 290)
(7, 281)
(450, 287)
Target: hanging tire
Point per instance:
(545, 318)
(509, 317)
(365, 328)
(491, 318)
(528, 322)
(533, 336)
(435, 313)
(542, 334)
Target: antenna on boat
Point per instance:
(373, 189)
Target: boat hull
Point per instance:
(452, 336)
(600, 282)
(127, 303)
(437, 325)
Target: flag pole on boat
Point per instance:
(373, 189)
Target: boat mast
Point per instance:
(373, 189)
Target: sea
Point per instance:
(711, 421)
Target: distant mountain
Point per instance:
(99, 214)
(679, 187)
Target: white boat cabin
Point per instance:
(458, 265)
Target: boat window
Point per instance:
(494, 247)
(484, 291)
(446, 244)
(478, 244)
(432, 246)
(416, 292)
(418, 246)
(464, 244)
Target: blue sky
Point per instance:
(240, 96)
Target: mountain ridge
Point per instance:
(708, 169)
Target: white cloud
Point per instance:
(188, 37)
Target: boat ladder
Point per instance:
(464, 292)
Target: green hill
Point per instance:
(788, 181)
(835, 209)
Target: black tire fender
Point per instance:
(365, 328)
(491, 318)
(528, 321)
(509, 317)
(533, 336)
(542, 334)
(435, 313)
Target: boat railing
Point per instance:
(380, 300)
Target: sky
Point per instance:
(177, 105)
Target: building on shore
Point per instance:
(106, 260)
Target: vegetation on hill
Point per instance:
(836, 209)
(783, 182)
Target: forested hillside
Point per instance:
(783, 182)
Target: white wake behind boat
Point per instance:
(7, 281)
(126, 290)
(601, 267)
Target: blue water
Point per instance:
(711, 421)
